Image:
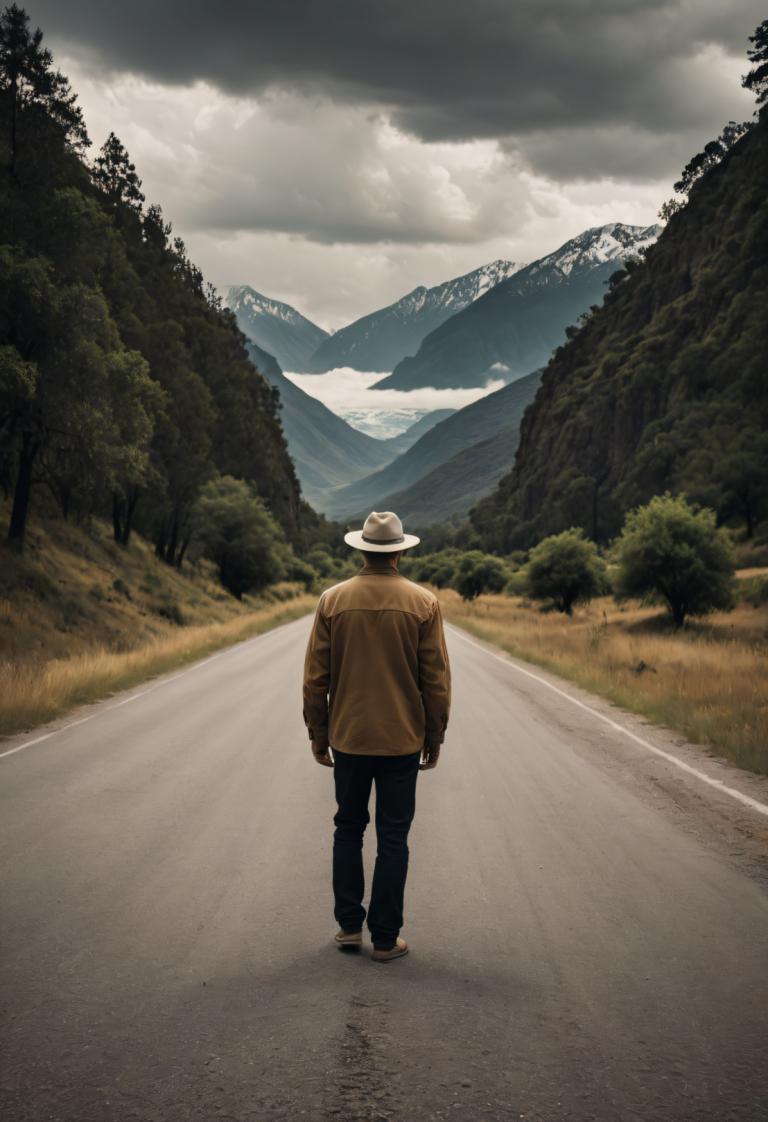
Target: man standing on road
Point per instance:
(377, 693)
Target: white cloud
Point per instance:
(330, 207)
(382, 413)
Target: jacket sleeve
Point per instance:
(317, 676)
(434, 676)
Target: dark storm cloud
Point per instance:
(445, 70)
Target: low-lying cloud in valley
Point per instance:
(382, 413)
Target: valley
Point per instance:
(498, 326)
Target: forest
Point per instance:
(125, 388)
(663, 386)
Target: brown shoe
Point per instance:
(400, 948)
(348, 938)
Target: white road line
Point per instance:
(156, 685)
(753, 804)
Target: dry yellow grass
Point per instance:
(81, 617)
(31, 693)
(708, 681)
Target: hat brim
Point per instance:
(356, 540)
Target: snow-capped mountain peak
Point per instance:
(276, 327)
(596, 246)
(243, 297)
(381, 339)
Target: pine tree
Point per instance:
(757, 79)
(116, 176)
(28, 80)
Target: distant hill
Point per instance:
(467, 427)
(665, 385)
(326, 450)
(514, 327)
(275, 327)
(447, 493)
(379, 340)
(403, 441)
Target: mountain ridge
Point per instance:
(513, 327)
(378, 340)
(277, 328)
(474, 423)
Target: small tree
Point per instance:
(235, 529)
(672, 551)
(479, 572)
(698, 166)
(757, 78)
(116, 176)
(567, 569)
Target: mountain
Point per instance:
(447, 493)
(403, 441)
(664, 386)
(326, 450)
(465, 428)
(275, 327)
(381, 339)
(514, 327)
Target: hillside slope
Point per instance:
(447, 493)
(514, 327)
(379, 340)
(473, 424)
(665, 384)
(74, 590)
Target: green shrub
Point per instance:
(479, 572)
(566, 569)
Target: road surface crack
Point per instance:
(360, 1085)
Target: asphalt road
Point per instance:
(588, 922)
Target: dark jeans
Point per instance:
(395, 778)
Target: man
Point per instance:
(377, 691)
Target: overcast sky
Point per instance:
(336, 153)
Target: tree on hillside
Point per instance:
(108, 333)
(115, 175)
(672, 551)
(74, 403)
(757, 78)
(702, 162)
(567, 569)
(235, 529)
(29, 82)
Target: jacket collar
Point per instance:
(363, 571)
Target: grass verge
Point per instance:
(32, 694)
(708, 681)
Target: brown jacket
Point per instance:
(376, 674)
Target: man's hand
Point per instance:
(321, 752)
(430, 757)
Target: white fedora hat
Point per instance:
(382, 532)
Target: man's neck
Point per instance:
(391, 566)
